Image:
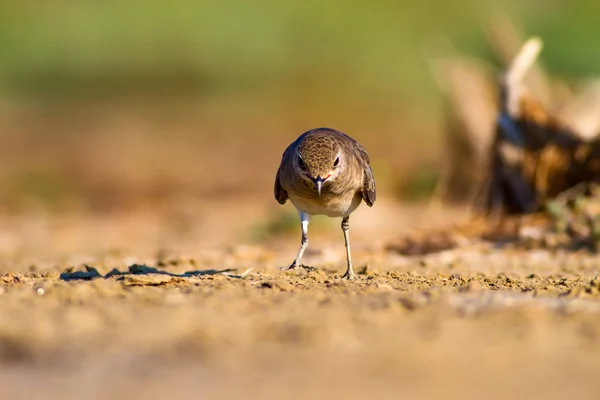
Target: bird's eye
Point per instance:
(336, 162)
(301, 163)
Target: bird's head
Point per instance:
(318, 159)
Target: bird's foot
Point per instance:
(349, 275)
(295, 264)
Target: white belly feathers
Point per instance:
(339, 207)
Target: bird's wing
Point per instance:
(369, 193)
(280, 194)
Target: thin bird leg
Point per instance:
(345, 228)
(304, 219)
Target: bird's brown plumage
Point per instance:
(318, 149)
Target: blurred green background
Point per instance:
(85, 48)
(105, 102)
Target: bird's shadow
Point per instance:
(87, 273)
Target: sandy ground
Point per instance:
(191, 307)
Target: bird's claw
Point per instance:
(349, 275)
(294, 265)
(288, 268)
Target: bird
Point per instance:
(325, 172)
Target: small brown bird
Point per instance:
(325, 172)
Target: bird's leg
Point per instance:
(345, 227)
(304, 219)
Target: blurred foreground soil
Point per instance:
(120, 306)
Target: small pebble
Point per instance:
(40, 291)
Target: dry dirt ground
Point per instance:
(207, 314)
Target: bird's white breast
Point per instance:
(334, 207)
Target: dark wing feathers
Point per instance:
(280, 194)
(369, 194)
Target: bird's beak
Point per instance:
(319, 183)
